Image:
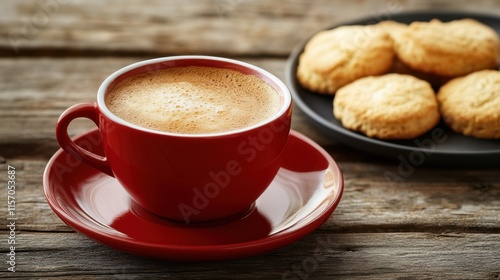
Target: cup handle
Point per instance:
(83, 110)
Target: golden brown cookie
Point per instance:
(334, 58)
(471, 105)
(391, 106)
(447, 49)
(436, 81)
(395, 29)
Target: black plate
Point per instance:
(440, 147)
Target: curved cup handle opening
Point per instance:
(83, 110)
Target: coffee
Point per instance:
(193, 100)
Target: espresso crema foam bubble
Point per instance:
(193, 100)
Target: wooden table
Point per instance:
(438, 223)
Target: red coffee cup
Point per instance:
(185, 177)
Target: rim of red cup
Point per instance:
(193, 60)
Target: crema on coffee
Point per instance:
(193, 100)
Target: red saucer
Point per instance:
(303, 195)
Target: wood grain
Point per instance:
(35, 91)
(236, 27)
(321, 255)
(429, 201)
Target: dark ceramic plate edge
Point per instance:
(392, 149)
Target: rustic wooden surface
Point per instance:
(438, 224)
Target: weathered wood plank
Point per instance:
(35, 91)
(321, 255)
(264, 27)
(429, 200)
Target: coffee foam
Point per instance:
(193, 100)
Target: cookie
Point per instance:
(393, 28)
(471, 105)
(392, 106)
(449, 49)
(334, 58)
(436, 81)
